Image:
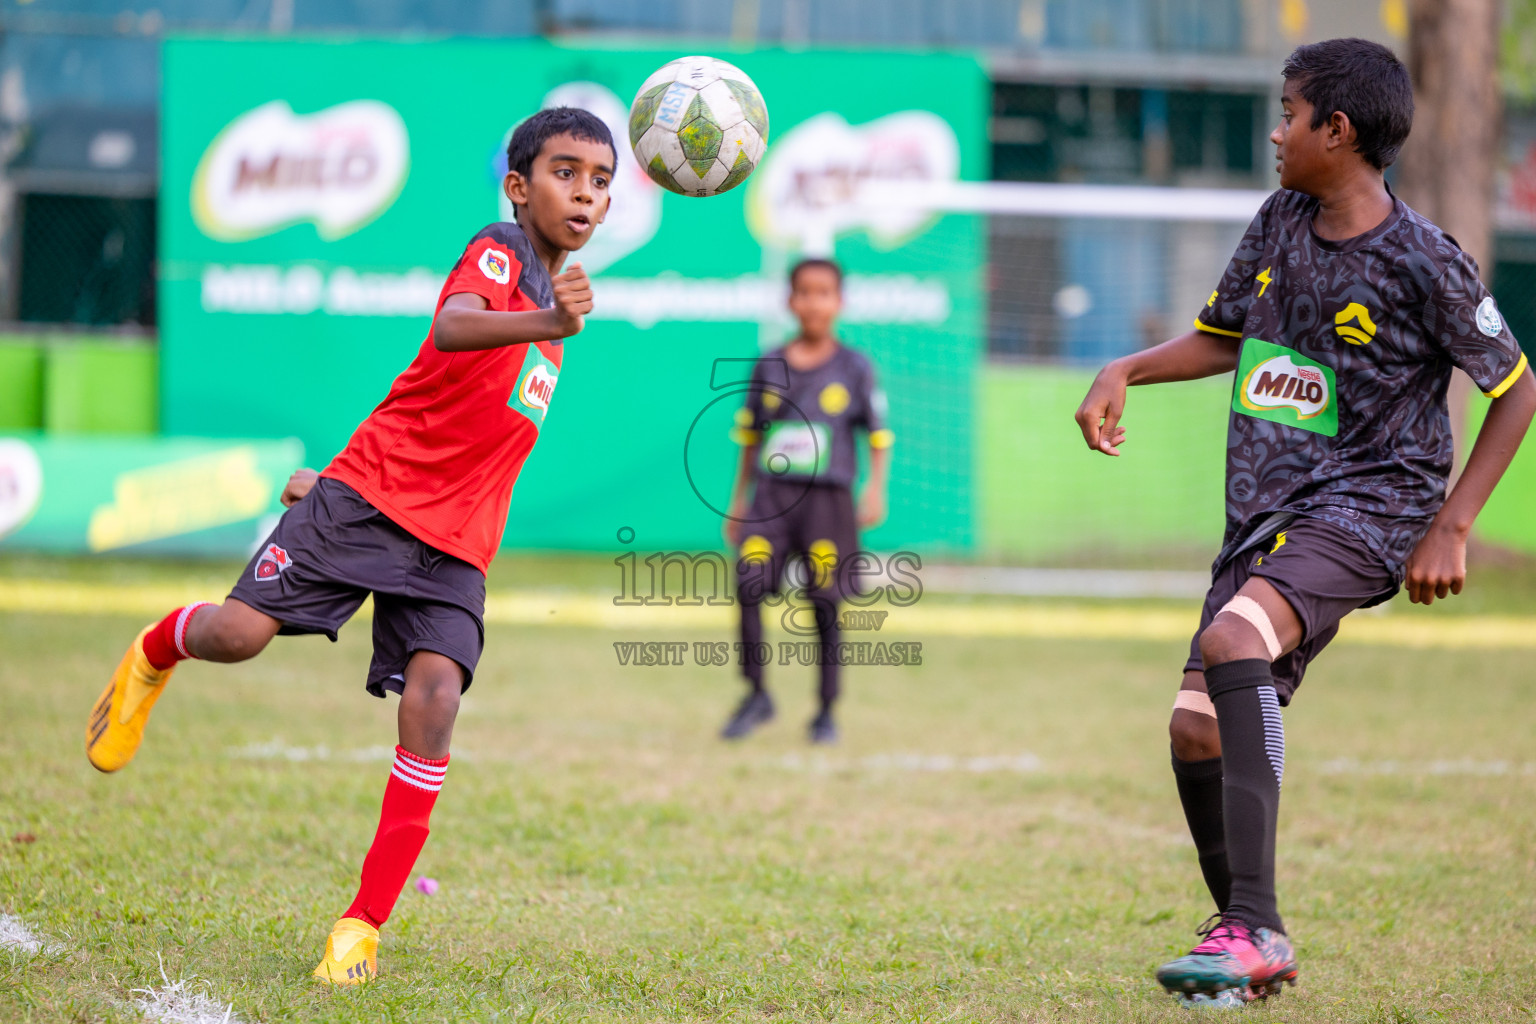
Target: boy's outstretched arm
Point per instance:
(1188, 357)
(1438, 566)
(740, 493)
(465, 324)
(872, 499)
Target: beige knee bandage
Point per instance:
(1196, 701)
(1249, 610)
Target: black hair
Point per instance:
(1365, 81)
(530, 136)
(813, 262)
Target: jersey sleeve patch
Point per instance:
(1463, 319)
(496, 265)
(489, 268)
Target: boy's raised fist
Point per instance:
(573, 297)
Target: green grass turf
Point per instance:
(997, 839)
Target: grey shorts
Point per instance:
(1322, 571)
(332, 549)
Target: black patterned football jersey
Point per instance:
(1339, 405)
(804, 420)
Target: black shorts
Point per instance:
(331, 550)
(793, 517)
(1321, 570)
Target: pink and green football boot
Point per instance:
(1233, 960)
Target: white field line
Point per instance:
(277, 750)
(176, 1002)
(1465, 767)
(171, 1003)
(14, 934)
(1098, 584)
(1057, 621)
(820, 764)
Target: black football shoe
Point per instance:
(822, 729)
(755, 709)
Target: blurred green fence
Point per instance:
(79, 385)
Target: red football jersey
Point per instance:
(440, 454)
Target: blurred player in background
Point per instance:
(412, 510)
(793, 493)
(1343, 312)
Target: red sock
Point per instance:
(166, 643)
(408, 799)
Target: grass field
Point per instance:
(997, 838)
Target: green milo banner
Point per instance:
(315, 195)
(141, 495)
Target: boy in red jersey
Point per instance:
(412, 510)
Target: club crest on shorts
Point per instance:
(496, 265)
(272, 562)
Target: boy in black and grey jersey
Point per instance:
(1343, 312)
(799, 462)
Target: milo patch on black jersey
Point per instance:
(796, 449)
(1281, 385)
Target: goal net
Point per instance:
(1077, 275)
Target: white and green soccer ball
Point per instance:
(698, 126)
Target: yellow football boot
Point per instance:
(116, 726)
(351, 953)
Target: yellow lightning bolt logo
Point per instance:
(1264, 280)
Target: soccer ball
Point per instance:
(698, 126)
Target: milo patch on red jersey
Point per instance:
(535, 386)
(1281, 385)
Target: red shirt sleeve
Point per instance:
(488, 269)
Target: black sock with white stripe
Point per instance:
(1252, 766)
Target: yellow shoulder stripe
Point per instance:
(1509, 381)
(1216, 330)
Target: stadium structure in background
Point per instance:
(1080, 104)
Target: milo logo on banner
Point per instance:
(269, 168)
(1281, 385)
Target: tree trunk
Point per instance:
(1448, 163)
